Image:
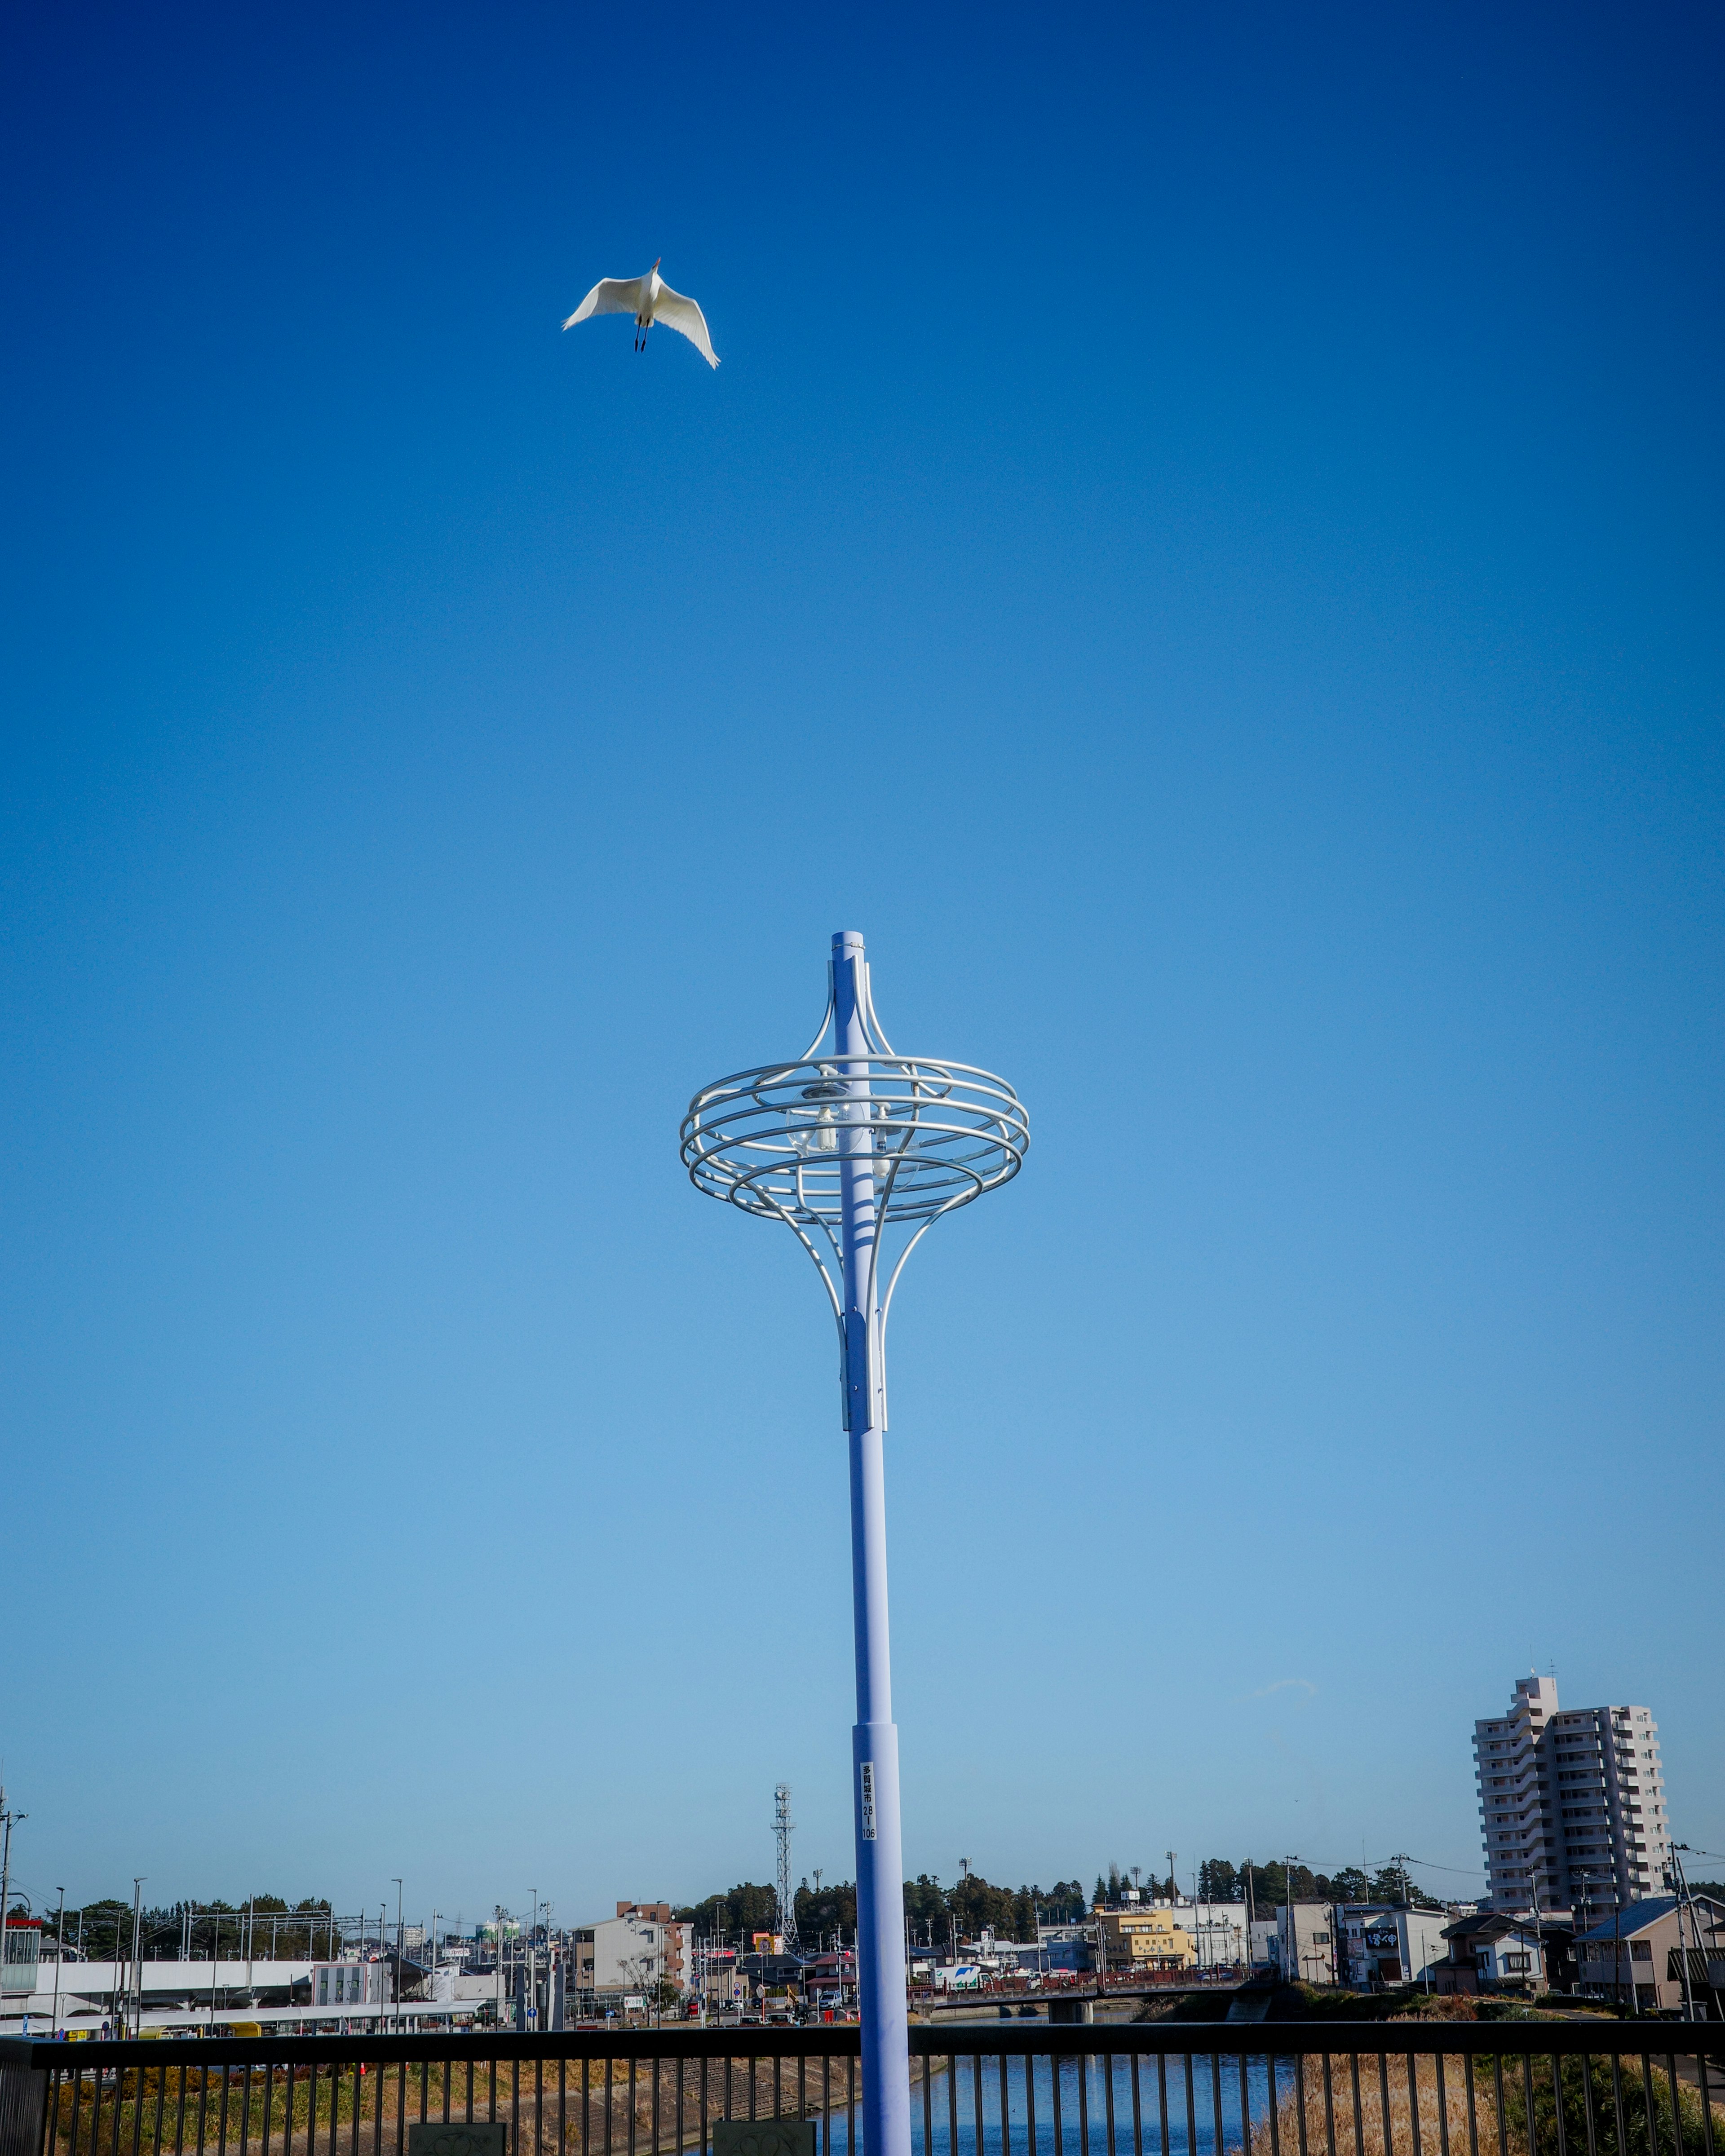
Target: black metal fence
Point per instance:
(1334, 2088)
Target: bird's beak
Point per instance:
(661, 258)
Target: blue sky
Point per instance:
(1204, 546)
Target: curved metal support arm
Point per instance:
(873, 1023)
(807, 1241)
(826, 1017)
(904, 1253)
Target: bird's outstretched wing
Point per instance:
(611, 295)
(685, 315)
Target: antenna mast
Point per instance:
(783, 1825)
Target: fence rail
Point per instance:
(1329, 2088)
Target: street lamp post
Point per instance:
(854, 1148)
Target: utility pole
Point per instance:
(137, 1974)
(399, 1936)
(7, 1816)
(1682, 1887)
(59, 1949)
(1288, 1864)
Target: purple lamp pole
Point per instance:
(852, 1148)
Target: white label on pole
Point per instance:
(868, 1800)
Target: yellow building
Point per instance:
(1142, 1937)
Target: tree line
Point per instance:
(1220, 1880)
(931, 1910)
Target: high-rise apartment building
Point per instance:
(1572, 1803)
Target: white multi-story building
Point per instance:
(1572, 1803)
(632, 1951)
(1218, 1930)
(1382, 1944)
(1305, 1943)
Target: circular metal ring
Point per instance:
(929, 1135)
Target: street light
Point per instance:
(851, 1147)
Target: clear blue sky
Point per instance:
(1204, 546)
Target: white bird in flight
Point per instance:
(650, 300)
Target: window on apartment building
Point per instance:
(1641, 1950)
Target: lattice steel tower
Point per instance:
(783, 1826)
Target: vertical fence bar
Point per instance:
(851, 2106)
(1246, 2109)
(1529, 2113)
(1360, 2121)
(1557, 2095)
(1300, 2102)
(1443, 2109)
(1082, 2063)
(1005, 2108)
(1274, 2067)
(1138, 2115)
(928, 2108)
(1108, 2099)
(1587, 2100)
(514, 2105)
(1473, 2122)
(826, 2104)
(1706, 2099)
(1215, 2066)
(1055, 2064)
(1414, 2101)
(1329, 2110)
(161, 2102)
(1030, 2104)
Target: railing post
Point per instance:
(23, 2107)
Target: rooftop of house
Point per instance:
(1643, 1915)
